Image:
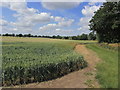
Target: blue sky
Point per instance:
(43, 18)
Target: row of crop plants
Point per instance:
(29, 63)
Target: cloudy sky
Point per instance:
(47, 18)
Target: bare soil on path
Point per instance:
(84, 78)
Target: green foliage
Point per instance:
(84, 37)
(107, 70)
(106, 22)
(36, 62)
(92, 36)
(80, 37)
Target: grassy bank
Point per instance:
(107, 73)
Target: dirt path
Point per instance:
(84, 78)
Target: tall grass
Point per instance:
(107, 68)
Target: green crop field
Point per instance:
(27, 60)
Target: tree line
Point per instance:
(90, 36)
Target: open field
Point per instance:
(28, 39)
(55, 58)
(27, 60)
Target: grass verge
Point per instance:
(107, 73)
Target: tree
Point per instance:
(58, 37)
(20, 35)
(106, 22)
(66, 37)
(6, 34)
(54, 36)
(84, 37)
(29, 35)
(13, 34)
(74, 38)
(92, 36)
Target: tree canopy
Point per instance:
(106, 22)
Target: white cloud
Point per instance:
(3, 22)
(92, 3)
(30, 20)
(88, 12)
(3, 25)
(36, 18)
(22, 24)
(66, 23)
(41, 17)
(27, 18)
(59, 19)
(59, 5)
(18, 6)
(15, 29)
(58, 29)
(4, 4)
(63, 32)
(84, 22)
(62, 23)
(49, 27)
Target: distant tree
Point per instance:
(39, 36)
(84, 37)
(20, 35)
(29, 35)
(53, 36)
(74, 38)
(70, 38)
(92, 36)
(78, 37)
(35, 36)
(25, 35)
(66, 37)
(13, 34)
(58, 37)
(6, 34)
